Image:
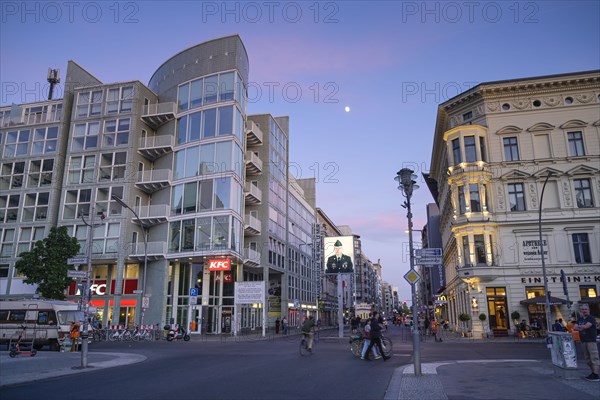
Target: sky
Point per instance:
(391, 62)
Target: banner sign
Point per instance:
(219, 265)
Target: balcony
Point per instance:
(153, 147)
(480, 273)
(155, 115)
(153, 180)
(252, 225)
(254, 136)
(252, 194)
(156, 251)
(254, 165)
(251, 258)
(153, 215)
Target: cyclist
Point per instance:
(308, 330)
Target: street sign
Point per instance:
(194, 292)
(428, 252)
(193, 300)
(428, 260)
(412, 276)
(138, 291)
(76, 274)
(145, 302)
(77, 260)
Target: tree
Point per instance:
(46, 264)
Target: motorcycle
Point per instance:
(178, 334)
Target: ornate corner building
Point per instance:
(494, 147)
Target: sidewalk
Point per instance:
(490, 379)
(49, 364)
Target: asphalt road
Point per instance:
(256, 370)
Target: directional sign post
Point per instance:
(76, 274)
(77, 260)
(428, 256)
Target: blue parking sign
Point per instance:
(194, 292)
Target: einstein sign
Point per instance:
(532, 251)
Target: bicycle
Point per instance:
(304, 350)
(357, 342)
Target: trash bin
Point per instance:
(564, 354)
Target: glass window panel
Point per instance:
(226, 86)
(222, 193)
(223, 158)
(177, 200)
(179, 164)
(221, 231)
(210, 89)
(204, 225)
(470, 152)
(225, 120)
(196, 93)
(207, 158)
(191, 161)
(209, 121)
(183, 96)
(174, 235)
(182, 130)
(194, 126)
(206, 195)
(188, 228)
(189, 197)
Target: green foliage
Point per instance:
(46, 264)
(515, 315)
(464, 317)
(482, 317)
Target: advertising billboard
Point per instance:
(339, 254)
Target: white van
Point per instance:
(47, 322)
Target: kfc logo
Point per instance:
(219, 265)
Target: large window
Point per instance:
(462, 204)
(44, 140)
(479, 249)
(85, 136)
(575, 144)
(581, 248)
(119, 100)
(81, 169)
(205, 124)
(77, 202)
(40, 173)
(475, 201)
(456, 151)
(9, 207)
(205, 233)
(105, 203)
(17, 143)
(470, 150)
(205, 195)
(516, 197)
(35, 207)
(28, 237)
(209, 90)
(12, 175)
(116, 132)
(583, 193)
(7, 237)
(511, 149)
(206, 159)
(89, 103)
(112, 166)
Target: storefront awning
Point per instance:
(541, 300)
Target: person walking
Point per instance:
(586, 326)
(308, 330)
(74, 335)
(277, 325)
(284, 325)
(376, 336)
(367, 337)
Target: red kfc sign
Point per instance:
(219, 265)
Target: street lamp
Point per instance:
(406, 179)
(145, 229)
(548, 320)
(85, 291)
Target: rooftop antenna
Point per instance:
(53, 79)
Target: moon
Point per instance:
(347, 109)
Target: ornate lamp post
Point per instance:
(406, 179)
(145, 229)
